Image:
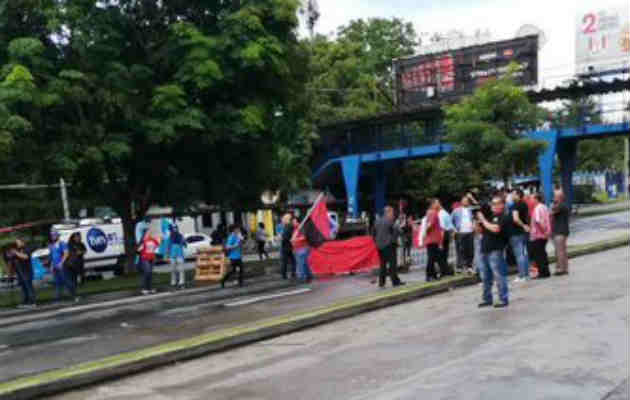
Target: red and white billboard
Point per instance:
(603, 39)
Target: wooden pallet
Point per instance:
(211, 264)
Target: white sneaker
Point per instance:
(517, 280)
(145, 292)
(153, 291)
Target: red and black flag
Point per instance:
(316, 227)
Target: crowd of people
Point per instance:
(511, 228)
(66, 263)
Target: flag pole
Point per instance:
(308, 214)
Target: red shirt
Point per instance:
(148, 249)
(299, 242)
(434, 232)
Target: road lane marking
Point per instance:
(267, 297)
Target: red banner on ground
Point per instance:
(344, 256)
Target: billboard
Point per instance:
(454, 73)
(602, 40)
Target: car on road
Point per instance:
(194, 242)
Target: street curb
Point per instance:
(596, 213)
(265, 286)
(122, 365)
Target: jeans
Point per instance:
(494, 267)
(519, 247)
(147, 274)
(388, 265)
(63, 279)
(25, 280)
(178, 274)
(303, 270)
(287, 258)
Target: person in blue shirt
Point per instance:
(178, 274)
(58, 255)
(234, 247)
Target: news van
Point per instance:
(103, 240)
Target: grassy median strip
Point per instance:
(127, 283)
(284, 324)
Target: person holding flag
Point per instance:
(314, 230)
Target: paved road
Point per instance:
(563, 338)
(33, 347)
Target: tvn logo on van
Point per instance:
(97, 240)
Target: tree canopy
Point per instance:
(486, 130)
(141, 101)
(351, 76)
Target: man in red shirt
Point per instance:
(433, 241)
(147, 249)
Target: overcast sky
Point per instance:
(557, 18)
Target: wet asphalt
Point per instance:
(60, 341)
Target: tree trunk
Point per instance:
(129, 225)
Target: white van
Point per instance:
(104, 242)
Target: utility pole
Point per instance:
(64, 199)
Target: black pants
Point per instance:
(446, 244)
(288, 258)
(261, 250)
(388, 258)
(466, 249)
(235, 264)
(434, 254)
(539, 255)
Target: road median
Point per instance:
(121, 365)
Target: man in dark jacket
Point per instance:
(286, 247)
(385, 233)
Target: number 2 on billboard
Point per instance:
(589, 23)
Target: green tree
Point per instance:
(142, 101)
(486, 130)
(351, 76)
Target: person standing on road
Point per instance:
(178, 273)
(433, 241)
(20, 256)
(234, 248)
(463, 222)
(540, 231)
(76, 258)
(261, 241)
(301, 250)
(407, 239)
(493, 264)
(560, 230)
(519, 234)
(148, 248)
(446, 223)
(385, 232)
(58, 251)
(286, 248)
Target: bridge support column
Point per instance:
(351, 167)
(380, 187)
(567, 154)
(546, 161)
